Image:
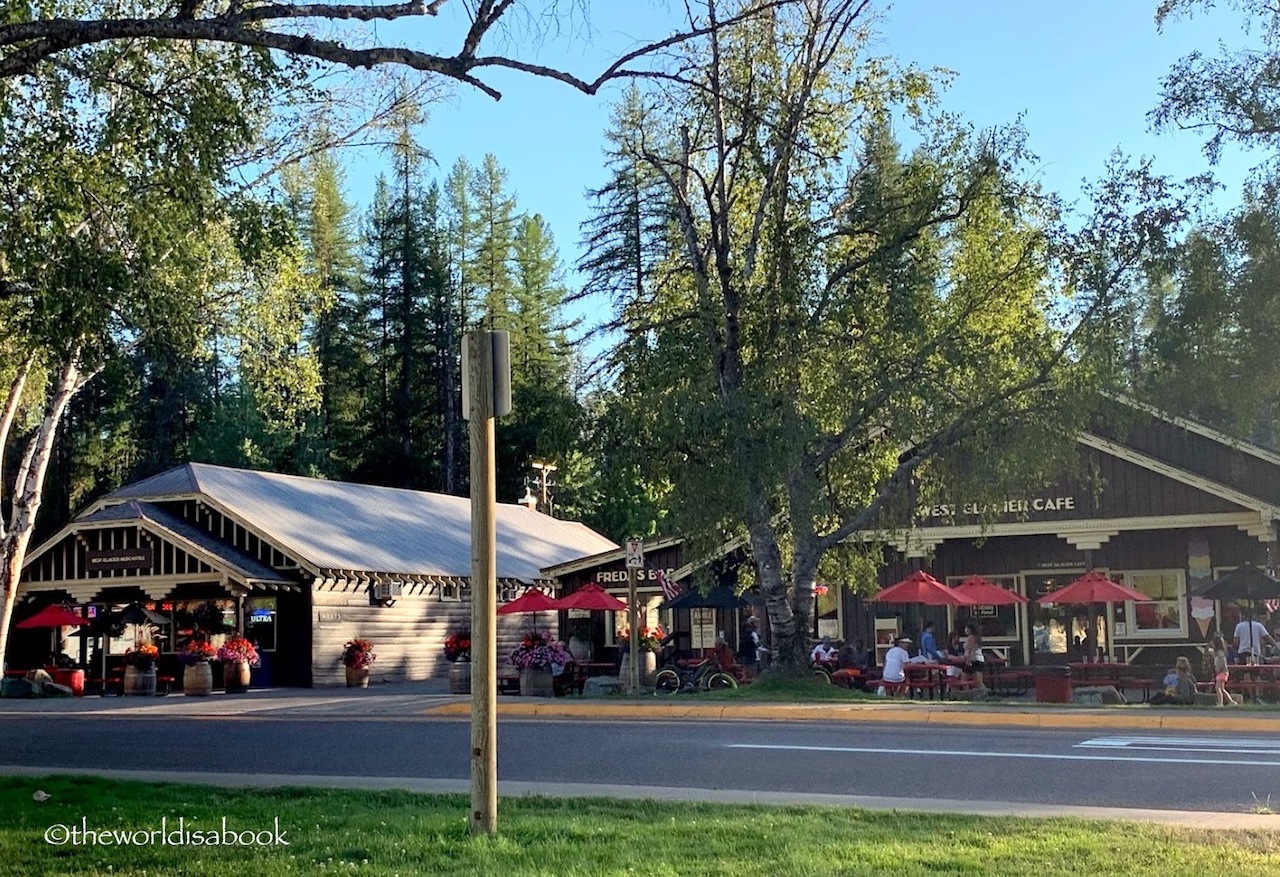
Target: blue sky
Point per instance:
(1084, 74)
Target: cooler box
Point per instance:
(73, 679)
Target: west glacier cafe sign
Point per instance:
(1008, 507)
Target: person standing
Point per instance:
(1250, 637)
(1220, 673)
(974, 662)
(748, 642)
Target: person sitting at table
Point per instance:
(61, 660)
(895, 663)
(1179, 685)
(955, 648)
(929, 645)
(823, 652)
(851, 664)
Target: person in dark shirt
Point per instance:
(748, 642)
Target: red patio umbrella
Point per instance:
(592, 596)
(53, 616)
(1093, 587)
(531, 600)
(920, 587)
(986, 593)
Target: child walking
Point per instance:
(1219, 648)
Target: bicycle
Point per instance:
(706, 675)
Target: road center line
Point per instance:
(1173, 744)
(1043, 756)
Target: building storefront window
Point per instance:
(260, 622)
(213, 619)
(1054, 626)
(1165, 614)
(995, 623)
(827, 611)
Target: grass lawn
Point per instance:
(386, 833)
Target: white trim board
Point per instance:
(1101, 527)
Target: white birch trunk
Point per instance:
(28, 487)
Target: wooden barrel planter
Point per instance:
(140, 682)
(197, 680)
(235, 676)
(460, 677)
(358, 677)
(536, 682)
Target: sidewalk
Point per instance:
(428, 700)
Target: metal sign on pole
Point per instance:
(635, 554)
(486, 376)
(635, 563)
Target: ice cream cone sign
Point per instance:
(1202, 612)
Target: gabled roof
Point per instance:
(340, 526)
(604, 557)
(244, 567)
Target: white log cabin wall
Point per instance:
(408, 636)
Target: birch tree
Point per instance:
(115, 228)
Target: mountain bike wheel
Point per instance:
(720, 682)
(666, 682)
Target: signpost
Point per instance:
(486, 394)
(635, 563)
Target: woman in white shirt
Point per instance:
(895, 661)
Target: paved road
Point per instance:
(1178, 770)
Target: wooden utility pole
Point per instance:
(634, 602)
(487, 393)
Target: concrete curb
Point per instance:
(1015, 717)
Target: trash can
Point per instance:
(1053, 684)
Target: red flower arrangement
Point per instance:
(143, 656)
(457, 646)
(358, 653)
(650, 638)
(197, 652)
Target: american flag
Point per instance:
(670, 589)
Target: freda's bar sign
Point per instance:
(120, 558)
(620, 575)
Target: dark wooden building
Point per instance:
(1162, 505)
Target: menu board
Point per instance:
(703, 622)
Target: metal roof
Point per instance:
(335, 525)
(248, 568)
